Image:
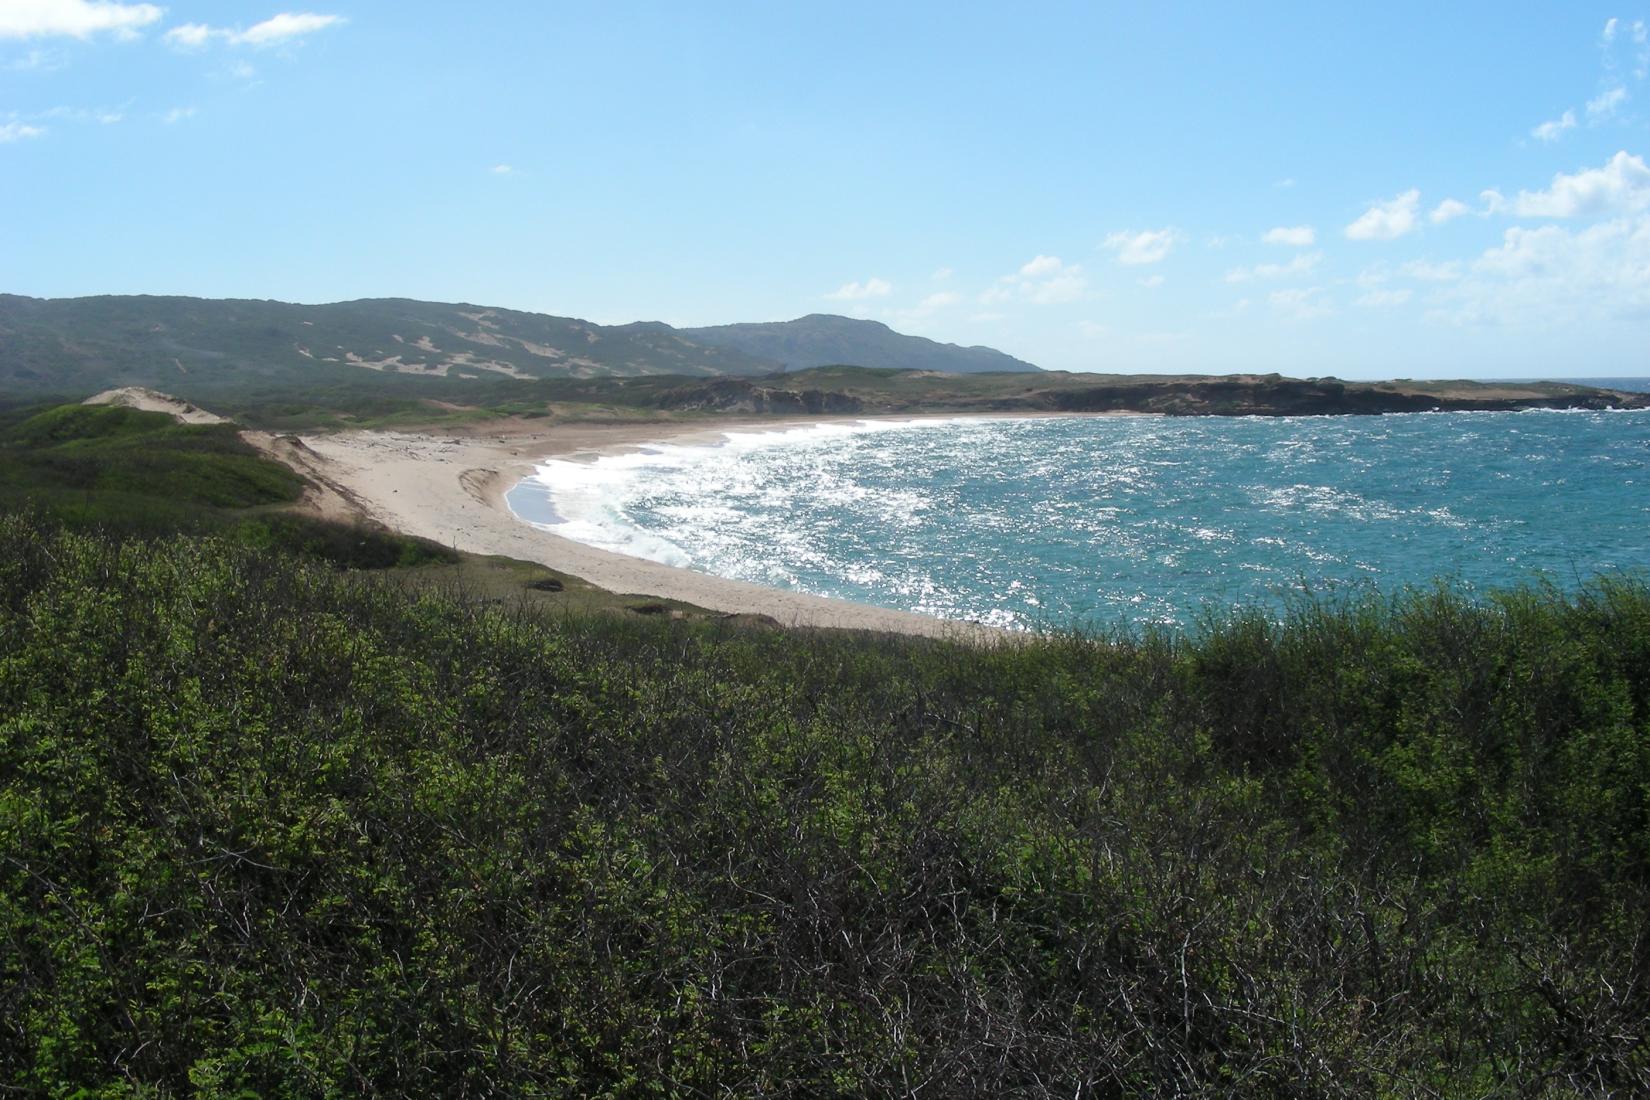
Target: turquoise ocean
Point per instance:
(1096, 522)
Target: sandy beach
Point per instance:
(450, 488)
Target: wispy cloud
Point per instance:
(1148, 246)
(177, 114)
(39, 61)
(857, 291)
(1303, 304)
(1042, 281)
(1448, 210)
(1301, 264)
(1385, 221)
(1554, 275)
(19, 131)
(1295, 236)
(1606, 104)
(277, 30)
(1622, 185)
(923, 310)
(501, 170)
(1431, 271)
(1385, 298)
(73, 18)
(1554, 129)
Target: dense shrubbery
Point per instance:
(269, 829)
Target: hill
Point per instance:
(85, 344)
(208, 347)
(823, 339)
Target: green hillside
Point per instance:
(202, 346)
(269, 830)
(823, 339)
(206, 348)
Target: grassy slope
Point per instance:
(267, 829)
(141, 473)
(131, 472)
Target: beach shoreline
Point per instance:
(450, 488)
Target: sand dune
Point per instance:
(136, 397)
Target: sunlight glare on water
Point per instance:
(1094, 521)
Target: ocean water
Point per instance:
(1094, 521)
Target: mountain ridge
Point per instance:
(99, 342)
(826, 339)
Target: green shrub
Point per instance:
(268, 828)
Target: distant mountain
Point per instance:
(72, 344)
(198, 345)
(824, 339)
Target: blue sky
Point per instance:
(1405, 190)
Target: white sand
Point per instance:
(450, 489)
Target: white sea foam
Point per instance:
(589, 501)
(1025, 523)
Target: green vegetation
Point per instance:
(271, 829)
(142, 473)
(104, 464)
(393, 362)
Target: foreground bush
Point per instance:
(266, 829)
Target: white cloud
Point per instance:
(1285, 184)
(1146, 247)
(103, 116)
(1091, 330)
(1553, 130)
(277, 30)
(941, 274)
(1621, 186)
(1301, 264)
(1152, 282)
(284, 28)
(1042, 280)
(1380, 299)
(1388, 220)
(1300, 304)
(923, 310)
(1552, 275)
(1428, 271)
(19, 131)
(857, 291)
(177, 114)
(1606, 104)
(1448, 210)
(1610, 25)
(501, 169)
(75, 18)
(1298, 236)
(190, 36)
